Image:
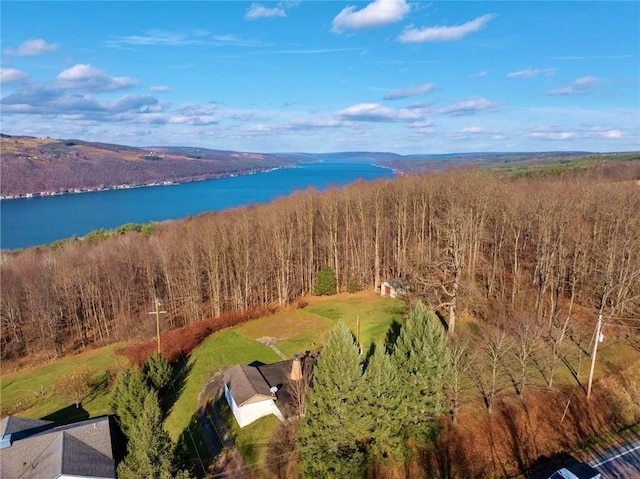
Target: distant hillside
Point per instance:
(44, 165)
(552, 163)
(34, 165)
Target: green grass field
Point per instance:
(35, 392)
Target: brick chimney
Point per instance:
(296, 368)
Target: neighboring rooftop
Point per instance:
(40, 450)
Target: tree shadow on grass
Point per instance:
(67, 415)
(170, 395)
(193, 451)
(392, 336)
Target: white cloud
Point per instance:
(180, 39)
(554, 134)
(481, 74)
(155, 37)
(605, 133)
(32, 48)
(193, 120)
(375, 14)
(409, 92)
(314, 123)
(473, 129)
(444, 33)
(257, 10)
(11, 75)
(47, 100)
(86, 77)
(531, 72)
(580, 86)
(468, 107)
(377, 113)
(160, 88)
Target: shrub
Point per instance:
(353, 286)
(326, 282)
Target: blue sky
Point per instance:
(383, 75)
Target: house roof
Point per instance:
(81, 449)
(397, 284)
(247, 385)
(14, 424)
(250, 384)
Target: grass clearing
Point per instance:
(33, 392)
(252, 441)
(219, 351)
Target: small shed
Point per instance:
(393, 288)
(249, 395)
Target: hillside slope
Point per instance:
(35, 165)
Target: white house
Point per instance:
(249, 395)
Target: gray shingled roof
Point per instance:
(13, 424)
(80, 449)
(247, 385)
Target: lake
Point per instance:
(42, 220)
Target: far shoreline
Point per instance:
(128, 186)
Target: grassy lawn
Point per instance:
(33, 393)
(296, 331)
(309, 328)
(252, 441)
(219, 351)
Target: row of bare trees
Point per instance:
(466, 242)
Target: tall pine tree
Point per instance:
(158, 371)
(381, 401)
(150, 448)
(331, 436)
(127, 399)
(422, 361)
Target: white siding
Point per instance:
(251, 412)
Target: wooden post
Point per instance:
(157, 312)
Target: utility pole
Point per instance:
(596, 340)
(157, 312)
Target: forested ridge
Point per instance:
(471, 244)
(45, 165)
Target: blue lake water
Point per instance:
(36, 221)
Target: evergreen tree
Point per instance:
(150, 448)
(326, 282)
(158, 371)
(332, 431)
(127, 400)
(422, 361)
(381, 400)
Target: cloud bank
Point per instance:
(444, 33)
(32, 48)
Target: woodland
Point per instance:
(517, 269)
(510, 252)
